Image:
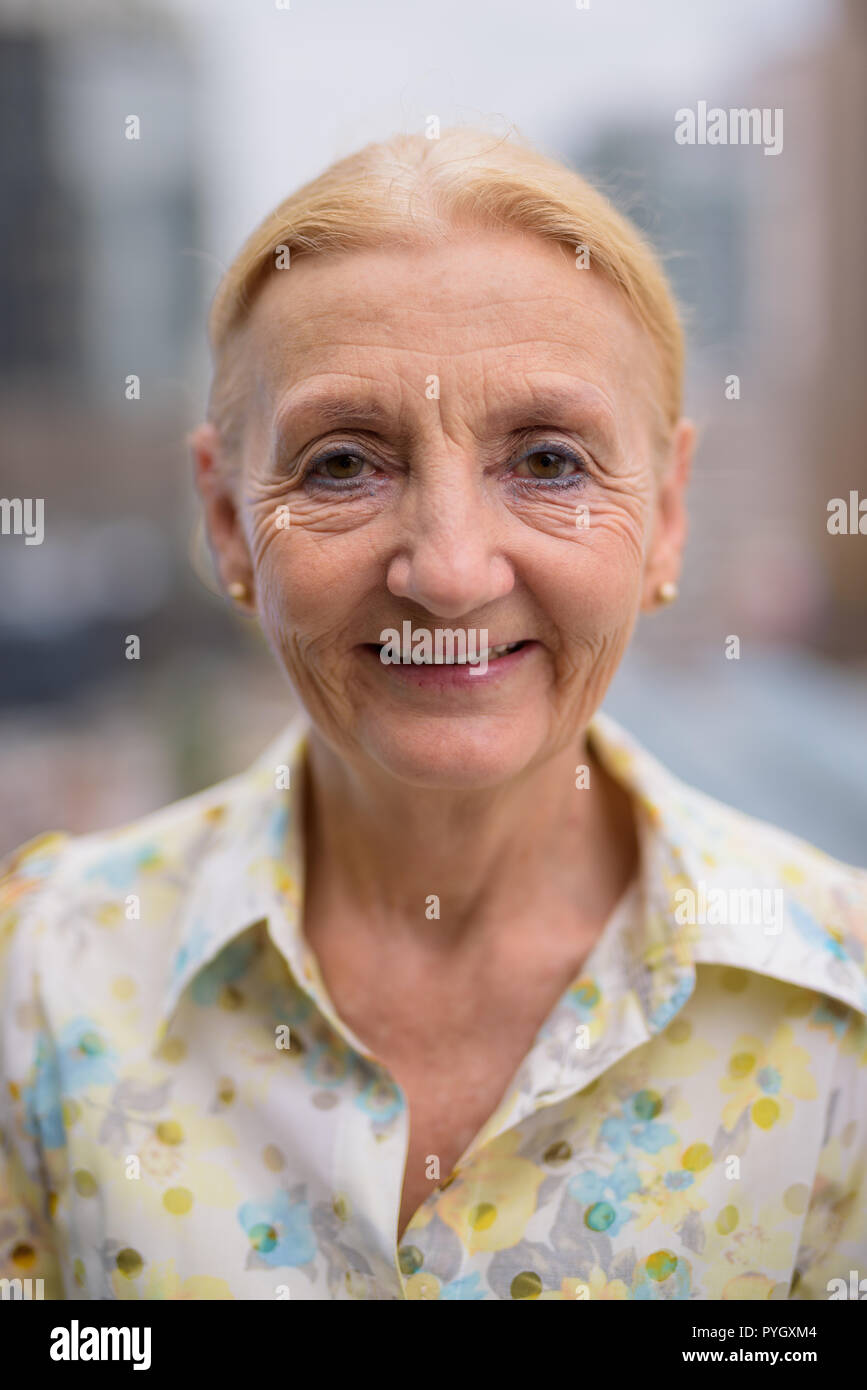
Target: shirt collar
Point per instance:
(718, 854)
(253, 871)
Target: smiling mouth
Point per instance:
(492, 654)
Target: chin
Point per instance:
(453, 753)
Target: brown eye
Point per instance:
(545, 464)
(342, 466)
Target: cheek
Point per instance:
(594, 585)
(311, 584)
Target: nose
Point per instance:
(448, 560)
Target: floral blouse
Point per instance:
(184, 1115)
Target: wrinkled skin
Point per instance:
(451, 519)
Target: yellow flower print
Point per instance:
(764, 1080)
(760, 1246)
(592, 1010)
(176, 1168)
(836, 1216)
(597, 1286)
(275, 874)
(489, 1204)
(670, 1185)
(855, 1039)
(423, 1286)
(159, 1160)
(162, 1281)
(744, 1287)
(747, 1253)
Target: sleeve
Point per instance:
(28, 1247)
(832, 1258)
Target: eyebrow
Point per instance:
(334, 411)
(544, 404)
(551, 402)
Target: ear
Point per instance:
(217, 489)
(665, 551)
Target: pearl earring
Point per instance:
(667, 592)
(238, 591)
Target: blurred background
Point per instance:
(111, 248)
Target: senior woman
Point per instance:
(457, 993)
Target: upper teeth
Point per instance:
(491, 652)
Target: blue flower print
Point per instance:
(604, 1195)
(636, 1124)
(584, 998)
(194, 947)
(678, 1179)
(44, 1117)
(811, 930)
(229, 965)
(466, 1289)
(381, 1099)
(119, 869)
(328, 1065)
(80, 1058)
(770, 1080)
(289, 1005)
(665, 1012)
(279, 1230)
(662, 1275)
(277, 828)
(84, 1057)
(830, 1012)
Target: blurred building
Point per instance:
(695, 213)
(99, 282)
(810, 327)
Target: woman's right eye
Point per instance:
(340, 466)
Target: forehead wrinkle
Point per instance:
(320, 295)
(388, 326)
(288, 343)
(564, 355)
(298, 310)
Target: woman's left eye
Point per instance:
(340, 467)
(550, 465)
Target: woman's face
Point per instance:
(455, 439)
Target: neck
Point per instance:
(378, 852)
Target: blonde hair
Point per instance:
(410, 190)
